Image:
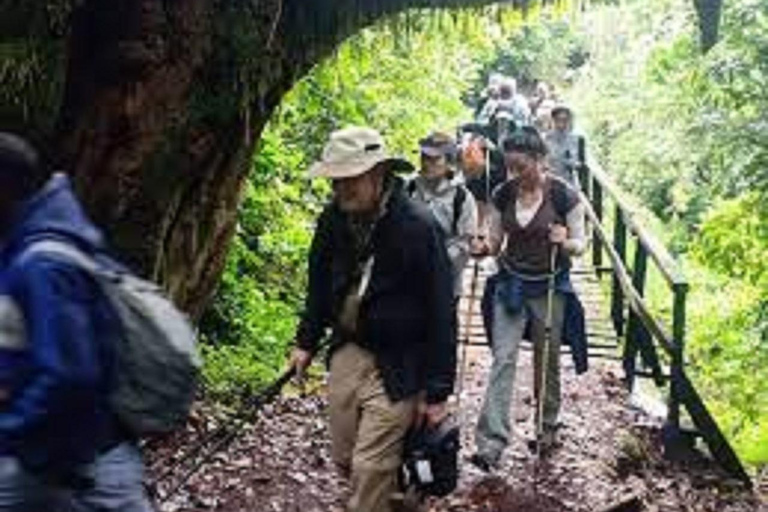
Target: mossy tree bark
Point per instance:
(162, 108)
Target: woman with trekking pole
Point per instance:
(536, 225)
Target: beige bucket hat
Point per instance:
(354, 151)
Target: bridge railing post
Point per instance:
(680, 291)
(617, 295)
(583, 174)
(596, 196)
(634, 324)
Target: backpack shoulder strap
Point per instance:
(459, 198)
(64, 251)
(561, 198)
(503, 194)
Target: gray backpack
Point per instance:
(158, 366)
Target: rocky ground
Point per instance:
(610, 459)
(610, 454)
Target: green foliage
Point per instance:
(245, 330)
(728, 353)
(686, 133)
(627, 101)
(733, 239)
(729, 345)
(253, 315)
(31, 84)
(677, 127)
(33, 65)
(548, 49)
(733, 96)
(405, 85)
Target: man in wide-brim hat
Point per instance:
(380, 278)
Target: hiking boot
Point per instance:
(483, 462)
(544, 444)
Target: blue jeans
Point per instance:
(117, 486)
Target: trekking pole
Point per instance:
(544, 363)
(467, 329)
(484, 228)
(545, 350)
(226, 433)
(487, 172)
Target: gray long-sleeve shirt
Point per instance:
(440, 199)
(563, 154)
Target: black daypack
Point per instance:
(459, 198)
(431, 459)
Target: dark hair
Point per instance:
(20, 165)
(526, 140)
(561, 109)
(443, 143)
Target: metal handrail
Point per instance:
(634, 297)
(644, 327)
(669, 268)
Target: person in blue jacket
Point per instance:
(61, 447)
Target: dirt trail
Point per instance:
(610, 453)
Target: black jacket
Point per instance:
(406, 316)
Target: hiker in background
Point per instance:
(61, 447)
(487, 104)
(483, 167)
(540, 95)
(512, 101)
(563, 145)
(440, 186)
(503, 125)
(533, 215)
(543, 116)
(542, 103)
(380, 277)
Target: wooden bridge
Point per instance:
(624, 332)
(621, 324)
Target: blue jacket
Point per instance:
(55, 362)
(513, 291)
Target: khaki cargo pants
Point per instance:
(367, 430)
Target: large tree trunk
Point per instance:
(164, 185)
(163, 104)
(709, 12)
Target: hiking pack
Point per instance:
(157, 363)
